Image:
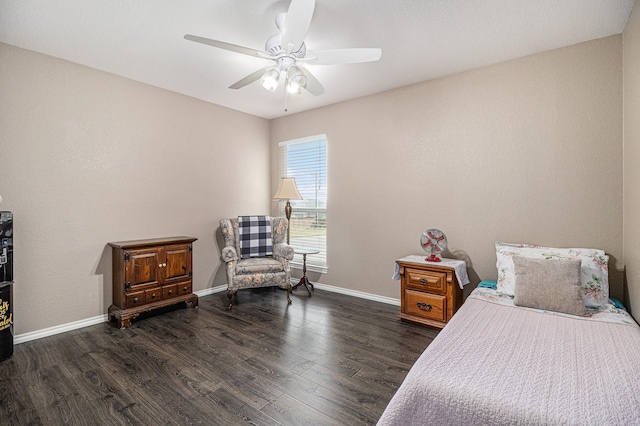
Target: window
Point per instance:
(306, 160)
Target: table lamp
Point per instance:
(288, 191)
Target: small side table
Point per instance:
(431, 292)
(304, 280)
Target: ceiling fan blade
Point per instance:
(296, 24)
(343, 56)
(228, 46)
(248, 79)
(313, 85)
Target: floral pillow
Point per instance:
(594, 270)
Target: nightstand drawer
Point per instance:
(426, 305)
(432, 281)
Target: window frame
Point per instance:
(314, 263)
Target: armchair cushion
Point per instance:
(255, 236)
(258, 265)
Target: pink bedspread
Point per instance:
(502, 365)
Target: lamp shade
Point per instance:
(288, 190)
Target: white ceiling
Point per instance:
(420, 40)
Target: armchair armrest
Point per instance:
(229, 254)
(283, 250)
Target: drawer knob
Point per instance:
(423, 281)
(424, 306)
(170, 292)
(185, 288)
(153, 295)
(135, 300)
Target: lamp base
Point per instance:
(287, 212)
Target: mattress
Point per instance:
(498, 364)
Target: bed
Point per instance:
(496, 363)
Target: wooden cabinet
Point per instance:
(150, 274)
(430, 293)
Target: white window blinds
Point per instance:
(306, 160)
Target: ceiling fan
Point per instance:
(288, 51)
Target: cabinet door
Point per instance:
(178, 263)
(141, 270)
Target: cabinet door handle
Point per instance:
(423, 281)
(424, 306)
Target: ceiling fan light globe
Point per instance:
(296, 80)
(270, 79)
(292, 90)
(299, 82)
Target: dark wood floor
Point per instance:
(327, 360)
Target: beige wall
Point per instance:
(524, 151)
(87, 157)
(631, 38)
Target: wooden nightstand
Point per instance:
(430, 291)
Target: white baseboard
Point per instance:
(51, 331)
(208, 291)
(356, 293)
(46, 332)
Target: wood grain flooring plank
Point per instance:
(327, 359)
(241, 412)
(369, 394)
(133, 404)
(290, 411)
(312, 394)
(15, 403)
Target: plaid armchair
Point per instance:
(253, 272)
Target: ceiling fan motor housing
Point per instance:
(273, 46)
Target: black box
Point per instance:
(6, 320)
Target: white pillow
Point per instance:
(594, 270)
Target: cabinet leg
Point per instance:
(125, 322)
(194, 302)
